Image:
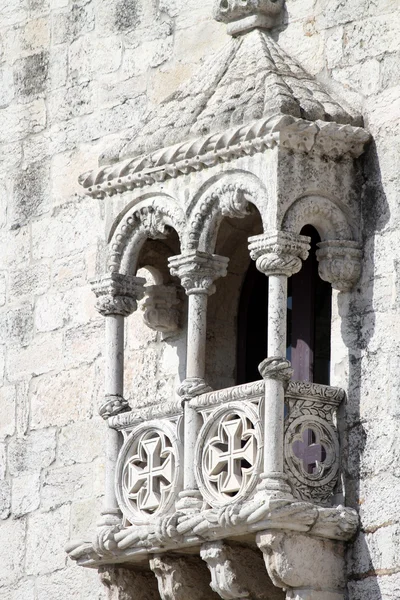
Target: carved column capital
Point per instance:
(279, 252)
(117, 294)
(161, 308)
(238, 572)
(182, 578)
(308, 568)
(198, 271)
(244, 15)
(340, 263)
(125, 584)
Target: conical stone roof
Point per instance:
(249, 79)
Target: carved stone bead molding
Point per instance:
(182, 578)
(113, 405)
(118, 294)
(276, 367)
(161, 308)
(198, 271)
(124, 584)
(308, 568)
(244, 15)
(238, 572)
(279, 252)
(340, 263)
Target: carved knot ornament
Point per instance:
(340, 263)
(113, 405)
(117, 294)
(244, 15)
(198, 271)
(148, 472)
(228, 454)
(279, 253)
(276, 367)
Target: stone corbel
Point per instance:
(182, 578)
(125, 584)
(161, 308)
(340, 263)
(244, 15)
(238, 572)
(306, 567)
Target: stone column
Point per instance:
(197, 272)
(117, 297)
(278, 255)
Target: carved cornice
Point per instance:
(340, 263)
(118, 294)
(244, 15)
(182, 530)
(279, 252)
(326, 394)
(247, 391)
(198, 271)
(297, 135)
(128, 420)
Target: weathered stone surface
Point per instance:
(44, 552)
(25, 494)
(32, 452)
(92, 435)
(7, 404)
(12, 553)
(5, 499)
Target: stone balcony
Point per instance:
(230, 502)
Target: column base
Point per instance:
(276, 485)
(190, 501)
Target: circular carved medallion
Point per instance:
(148, 472)
(228, 454)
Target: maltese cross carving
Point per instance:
(149, 473)
(230, 455)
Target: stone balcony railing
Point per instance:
(231, 502)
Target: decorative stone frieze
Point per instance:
(161, 308)
(118, 294)
(125, 584)
(182, 578)
(198, 271)
(340, 263)
(279, 252)
(307, 567)
(244, 15)
(237, 572)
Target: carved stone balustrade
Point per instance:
(227, 467)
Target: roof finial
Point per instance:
(244, 15)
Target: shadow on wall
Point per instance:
(358, 326)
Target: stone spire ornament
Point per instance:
(244, 15)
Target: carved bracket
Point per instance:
(124, 584)
(340, 263)
(161, 310)
(118, 294)
(244, 15)
(308, 568)
(182, 578)
(238, 572)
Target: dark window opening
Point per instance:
(308, 322)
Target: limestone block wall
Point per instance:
(74, 76)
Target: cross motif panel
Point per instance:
(228, 454)
(148, 472)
